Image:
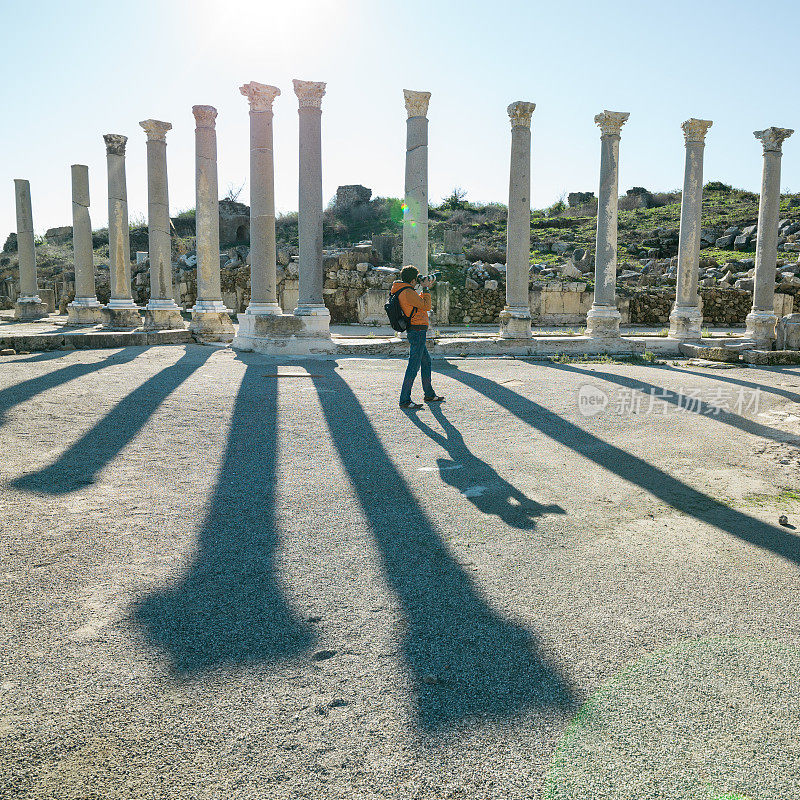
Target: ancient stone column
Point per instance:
(263, 294)
(162, 312)
(29, 305)
(603, 318)
(761, 320)
(686, 318)
(85, 309)
(310, 305)
(210, 318)
(121, 311)
(415, 211)
(515, 318)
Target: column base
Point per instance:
(213, 306)
(515, 323)
(685, 322)
(316, 320)
(30, 308)
(121, 302)
(602, 322)
(211, 326)
(163, 319)
(123, 318)
(266, 332)
(760, 326)
(263, 309)
(84, 311)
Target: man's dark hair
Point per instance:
(409, 274)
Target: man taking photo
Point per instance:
(415, 308)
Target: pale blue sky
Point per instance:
(74, 71)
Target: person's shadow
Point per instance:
(477, 481)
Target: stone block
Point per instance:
(771, 357)
(370, 307)
(708, 353)
(788, 332)
(783, 304)
(453, 241)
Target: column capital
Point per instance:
(416, 103)
(156, 130)
(772, 139)
(260, 95)
(115, 144)
(520, 113)
(611, 122)
(309, 93)
(205, 116)
(694, 130)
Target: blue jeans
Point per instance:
(418, 357)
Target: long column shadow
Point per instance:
(635, 470)
(81, 462)
(723, 378)
(477, 481)
(465, 660)
(229, 608)
(18, 393)
(676, 399)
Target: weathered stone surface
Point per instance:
(351, 195)
(686, 317)
(515, 318)
(707, 352)
(311, 302)
(603, 318)
(771, 357)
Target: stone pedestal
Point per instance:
(122, 311)
(515, 319)
(263, 283)
(602, 321)
(311, 308)
(85, 309)
(162, 312)
(29, 305)
(686, 318)
(210, 318)
(762, 319)
(121, 318)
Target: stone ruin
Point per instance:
(265, 326)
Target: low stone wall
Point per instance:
(475, 306)
(721, 307)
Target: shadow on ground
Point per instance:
(229, 608)
(477, 481)
(81, 462)
(20, 392)
(637, 471)
(465, 660)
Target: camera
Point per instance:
(434, 275)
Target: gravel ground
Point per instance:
(227, 577)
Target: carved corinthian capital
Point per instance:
(416, 103)
(260, 95)
(772, 139)
(309, 93)
(611, 122)
(204, 116)
(115, 144)
(156, 130)
(694, 130)
(520, 113)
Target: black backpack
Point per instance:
(397, 319)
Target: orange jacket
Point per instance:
(415, 306)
